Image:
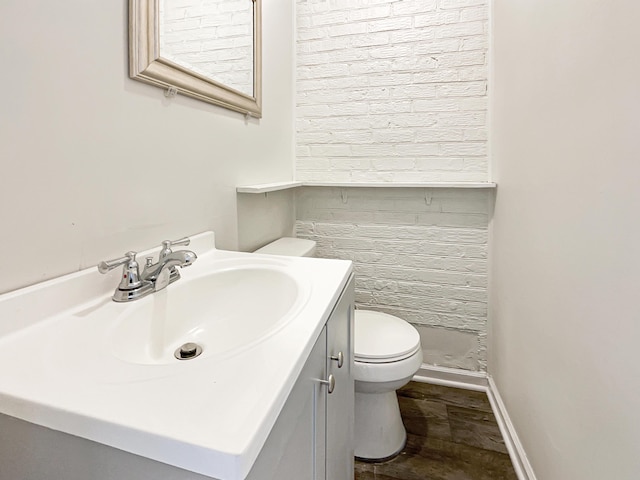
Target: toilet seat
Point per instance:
(383, 338)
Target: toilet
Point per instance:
(387, 353)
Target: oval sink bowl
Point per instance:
(223, 312)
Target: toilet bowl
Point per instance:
(387, 354)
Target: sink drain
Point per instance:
(188, 351)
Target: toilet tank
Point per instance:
(291, 247)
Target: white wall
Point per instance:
(392, 91)
(95, 164)
(262, 218)
(566, 237)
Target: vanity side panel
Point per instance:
(340, 403)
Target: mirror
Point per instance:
(210, 50)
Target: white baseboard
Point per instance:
(479, 381)
(452, 377)
(514, 446)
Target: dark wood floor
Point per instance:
(452, 435)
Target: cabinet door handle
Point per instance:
(330, 382)
(338, 358)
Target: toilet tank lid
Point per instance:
(292, 247)
(380, 337)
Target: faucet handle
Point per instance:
(108, 265)
(130, 273)
(167, 244)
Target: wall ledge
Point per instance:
(268, 187)
(274, 187)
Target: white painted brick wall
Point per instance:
(420, 254)
(398, 85)
(214, 39)
(396, 90)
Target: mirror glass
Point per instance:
(213, 38)
(208, 49)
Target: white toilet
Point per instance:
(387, 355)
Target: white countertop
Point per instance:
(209, 415)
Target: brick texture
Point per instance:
(420, 254)
(396, 91)
(215, 39)
(392, 90)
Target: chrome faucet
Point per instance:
(155, 276)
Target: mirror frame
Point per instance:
(146, 64)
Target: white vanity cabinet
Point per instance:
(312, 438)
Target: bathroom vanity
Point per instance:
(90, 389)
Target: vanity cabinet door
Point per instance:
(340, 449)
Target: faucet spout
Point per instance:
(181, 258)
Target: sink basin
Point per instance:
(223, 312)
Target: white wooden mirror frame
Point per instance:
(146, 64)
